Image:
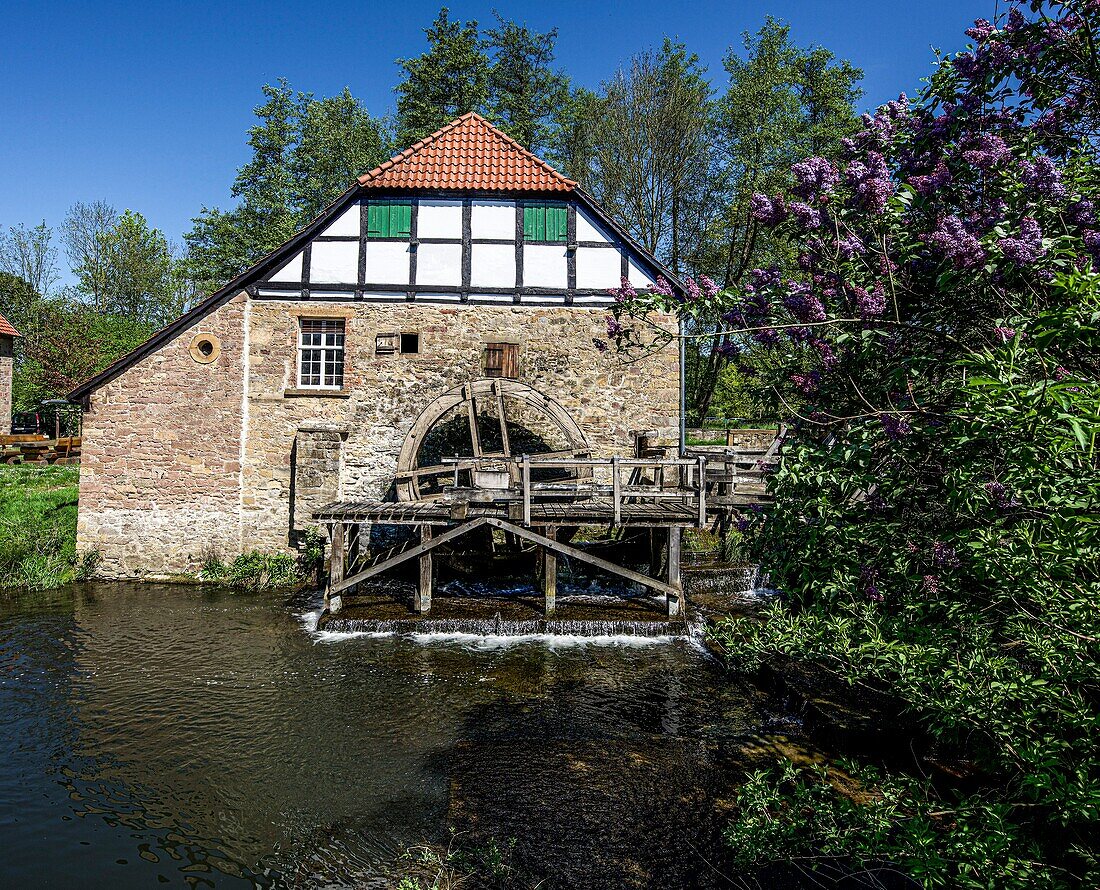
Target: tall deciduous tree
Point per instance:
(525, 91)
(782, 103)
(84, 234)
(448, 80)
(305, 152)
(29, 253)
(648, 146)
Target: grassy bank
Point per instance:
(38, 527)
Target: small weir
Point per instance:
(503, 627)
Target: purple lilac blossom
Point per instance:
(1082, 213)
(1001, 495)
(944, 556)
(663, 288)
(814, 176)
(930, 183)
(987, 151)
(768, 211)
(956, 244)
(600, 345)
(614, 327)
(693, 292)
(1028, 247)
(1043, 177)
(930, 584)
(895, 426)
(710, 289)
(869, 304)
(1004, 334)
(871, 181)
(803, 304)
(807, 216)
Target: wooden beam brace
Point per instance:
(565, 550)
(549, 573)
(413, 552)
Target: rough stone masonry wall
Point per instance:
(6, 348)
(384, 394)
(160, 463)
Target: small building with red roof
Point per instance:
(447, 303)
(7, 353)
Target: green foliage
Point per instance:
(525, 92)
(65, 343)
(827, 820)
(254, 571)
(461, 863)
(38, 528)
(782, 103)
(133, 273)
(448, 80)
(305, 153)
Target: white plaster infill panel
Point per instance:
(346, 224)
(387, 262)
(544, 265)
(588, 229)
(439, 219)
(493, 219)
(598, 268)
(640, 278)
(492, 265)
(334, 262)
(439, 264)
(292, 271)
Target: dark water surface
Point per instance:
(174, 735)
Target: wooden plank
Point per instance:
(411, 553)
(702, 521)
(565, 550)
(616, 491)
(674, 595)
(525, 482)
(549, 573)
(471, 413)
(422, 599)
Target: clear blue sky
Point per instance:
(145, 104)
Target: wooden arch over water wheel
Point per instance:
(416, 482)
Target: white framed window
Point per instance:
(321, 353)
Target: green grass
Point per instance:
(38, 527)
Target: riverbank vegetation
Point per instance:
(38, 527)
(936, 534)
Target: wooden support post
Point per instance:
(422, 599)
(335, 568)
(702, 522)
(549, 573)
(675, 597)
(616, 491)
(526, 483)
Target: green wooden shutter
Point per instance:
(530, 214)
(378, 220)
(400, 220)
(557, 224)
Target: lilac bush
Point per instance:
(936, 527)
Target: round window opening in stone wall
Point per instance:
(205, 348)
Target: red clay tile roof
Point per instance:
(468, 153)
(6, 330)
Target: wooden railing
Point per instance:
(683, 480)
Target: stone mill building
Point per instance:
(459, 283)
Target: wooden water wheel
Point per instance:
(490, 419)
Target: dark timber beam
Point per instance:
(561, 549)
(411, 553)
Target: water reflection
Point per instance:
(165, 734)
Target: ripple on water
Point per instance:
(194, 732)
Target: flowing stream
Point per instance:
(175, 735)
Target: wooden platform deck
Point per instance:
(531, 500)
